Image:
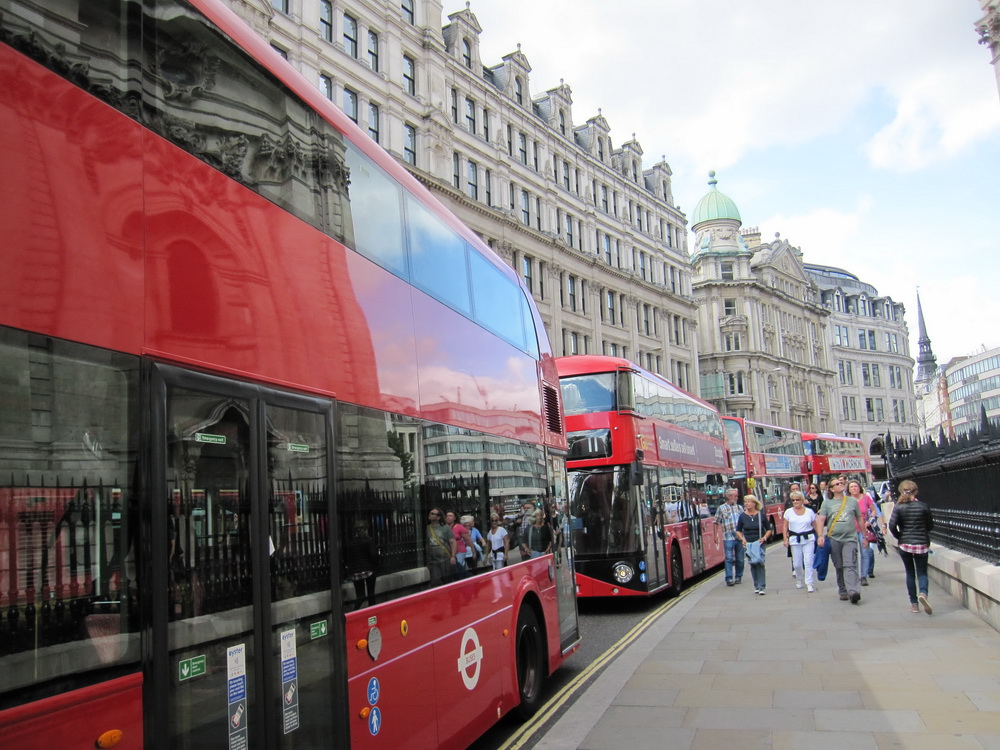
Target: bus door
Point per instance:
(652, 507)
(692, 506)
(247, 646)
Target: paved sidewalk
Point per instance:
(725, 668)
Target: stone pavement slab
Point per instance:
(726, 668)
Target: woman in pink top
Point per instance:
(869, 511)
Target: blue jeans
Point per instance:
(867, 564)
(734, 559)
(759, 575)
(916, 573)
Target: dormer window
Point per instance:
(467, 54)
(562, 122)
(600, 148)
(635, 172)
(519, 91)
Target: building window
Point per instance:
(510, 141)
(488, 186)
(850, 408)
(472, 183)
(454, 106)
(522, 148)
(326, 86)
(351, 35)
(574, 343)
(642, 265)
(326, 20)
(729, 306)
(467, 54)
(736, 385)
(525, 208)
(373, 122)
(409, 75)
(569, 230)
(410, 144)
(571, 292)
(280, 51)
(406, 6)
(470, 115)
(351, 104)
(373, 51)
(876, 377)
(646, 328)
(727, 271)
(486, 124)
(733, 342)
(600, 148)
(846, 370)
(874, 409)
(562, 122)
(280, 5)
(456, 168)
(519, 90)
(527, 272)
(609, 300)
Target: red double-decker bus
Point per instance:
(831, 455)
(647, 468)
(245, 359)
(766, 461)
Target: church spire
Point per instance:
(926, 362)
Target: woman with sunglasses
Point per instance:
(812, 497)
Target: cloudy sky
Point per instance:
(866, 132)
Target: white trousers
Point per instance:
(802, 557)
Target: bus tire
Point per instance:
(530, 654)
(676, 572)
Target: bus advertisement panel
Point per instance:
(767, 460)
(248, 363)
(647, 468)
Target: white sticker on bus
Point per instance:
(470, 658)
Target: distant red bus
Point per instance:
(829, 455)
(647, 469)
(244, 355)
(766, 461)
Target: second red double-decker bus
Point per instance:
(766, 461)
(647, 469)
(828, 455)
(245, 361)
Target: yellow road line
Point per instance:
(518, 739)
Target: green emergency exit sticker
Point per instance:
(193, 667)
(296, 448)
(204, 437)
(317, 629)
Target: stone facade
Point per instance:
(762, 329)
(989, 33)
(869, 345)
(596, 235)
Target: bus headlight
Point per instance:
(622, 572)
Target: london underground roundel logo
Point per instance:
(470, 658)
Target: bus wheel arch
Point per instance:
(531, 658)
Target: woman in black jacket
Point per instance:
(911, 524)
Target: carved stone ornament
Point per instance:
(185, 70)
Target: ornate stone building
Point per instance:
(762, 328)
(869, 345)
(989, 33)
(595, 233)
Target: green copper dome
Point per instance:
(715, 206)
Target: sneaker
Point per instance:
(864, 581)
(872, 574)
(844, 597)
(756, 591)
(914, 608)
(739, 580)
(922, 598)
(762, 592)
(794, 574)
(855, 597)
(798, 584)
(810, 588)
(729, 583)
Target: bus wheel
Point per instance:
(530, 662)
(676, 572)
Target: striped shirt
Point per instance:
(726, 516)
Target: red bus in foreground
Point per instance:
(240, 347)
(766, 461)
(830, 455)
(647, 469)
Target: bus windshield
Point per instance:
(587, 394)
(605, 513)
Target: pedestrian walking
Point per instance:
(911, 524)
(837, 525)
(869, 512)
(726, 516)
(800, 538)
(753, 531)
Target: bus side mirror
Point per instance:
(635, 474)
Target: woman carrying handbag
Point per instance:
(753, 532)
